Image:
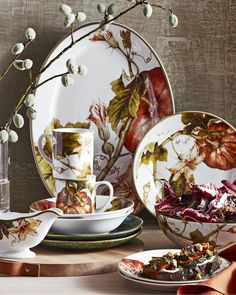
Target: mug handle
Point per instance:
(111, 192)
(41, 150)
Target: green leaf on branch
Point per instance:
(153, 153)
(125, 104)
(162, 154)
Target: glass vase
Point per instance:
(4, 178)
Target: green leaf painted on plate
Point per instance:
(180, 185)
(153, 153)
(193, 120)
(162, 153)
(198, 237)
(126, 101)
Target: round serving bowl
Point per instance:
(183, 232)
(21, 231)
(88, 226)
(117, 207)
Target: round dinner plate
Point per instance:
(125, 92)
(89, 245)
(186, 147)
(157, 287)
(146, 256)
(130, 225)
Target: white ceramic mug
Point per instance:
(72, 152)
(79, 196)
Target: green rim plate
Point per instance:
(89, 245)
(129, 225)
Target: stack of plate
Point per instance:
(127, 271)
(92, 231)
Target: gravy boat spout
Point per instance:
(21, 231)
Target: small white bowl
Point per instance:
(125, 206)
(73, 226)
(21, 231)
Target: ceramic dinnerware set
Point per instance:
(85, 213)
(98, 230)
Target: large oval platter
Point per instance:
(125, 92)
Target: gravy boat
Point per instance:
(21, 231)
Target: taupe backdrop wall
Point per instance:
(199, 57)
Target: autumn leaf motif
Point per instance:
(116, 204)
(55, 123)
(154, 152)
(126, 101)
(192, 120)
(4, 226)
(85, 171)
(25, 227)
(125, 36)
(73, 143)
(107, 37)
(45, 169)
(83, 125)
(187, 164)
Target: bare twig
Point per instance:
(72, 34)
(162, 7)
(18, 106)
(11, 63)
(89, 33)
(30, 76)
(49, 79)
(32, 86)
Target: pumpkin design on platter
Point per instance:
(137, 97)
(153, 104)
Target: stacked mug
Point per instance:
(72, 168)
